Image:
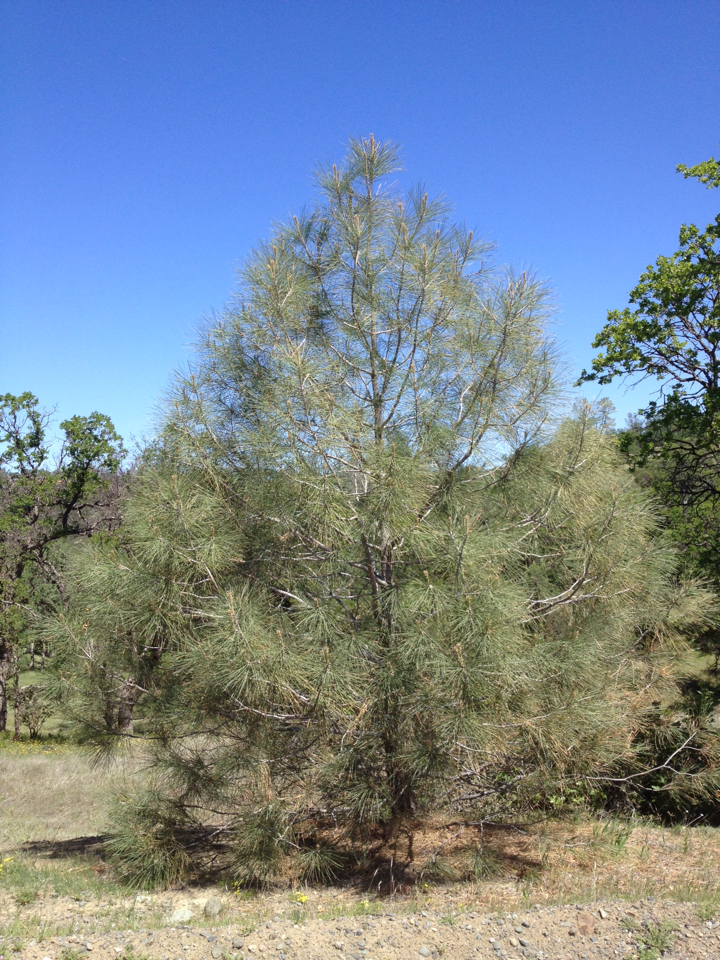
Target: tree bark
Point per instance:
(5, 664)
(109, 712)
(400, 782)
(128, 698)
(16, 705)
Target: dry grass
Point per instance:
(559, 861)
(610, 860)
(51, 793)
(552, 864)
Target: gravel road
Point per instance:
(608, 930)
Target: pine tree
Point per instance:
(367, 576)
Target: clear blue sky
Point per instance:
(145, 146)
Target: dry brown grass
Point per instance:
(54, 792)
(553, 862)
(609, 860)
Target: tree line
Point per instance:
(371, 567)
(45, 503)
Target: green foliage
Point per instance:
(26, 895)
(439, 869)
(33, 709)
(22, 429)
(260, 843)
(671, 333)
(449, 920)
(611, 837)
(655, 939)
(677, 750)
(360, 579)
(707, 910)
(91, 448)
(485, 865)
(90, 452)
(147, 843)
(42, 506)
(707, 172)
(319, 864)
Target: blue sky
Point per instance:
(146, 146)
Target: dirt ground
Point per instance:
(397, 930)
(560, 890)
(598, 891)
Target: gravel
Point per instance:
(614, 931)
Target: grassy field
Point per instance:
(54, 804)
(52, 792)
(55, 880)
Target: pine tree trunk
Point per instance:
(128, 699)
(400, 782)
(109, 712)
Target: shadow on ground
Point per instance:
(65, 849)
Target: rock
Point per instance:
(181, 915)
(216, 952)
(238, 943)
(514, 942)
(213, 907)
(586, 924)
(602, 914)
(425, 952)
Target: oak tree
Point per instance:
(45, 501)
